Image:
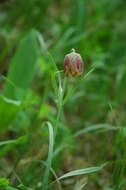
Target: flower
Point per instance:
(73, 64)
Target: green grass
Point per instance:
(57, 132)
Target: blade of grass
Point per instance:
(87, 74)
(8, 110)
(54, 85)
(51, 170)
(50, 156)
(96, 128)
(11, 144)
(69, 94)
(82, 171)
(80, 187)
(123, 162)
(7, 142)
(54, 174)
(79, 172)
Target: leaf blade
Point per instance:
(50, 156)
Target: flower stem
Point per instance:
(60, 104)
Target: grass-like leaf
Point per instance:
(11, 144)
(82, 171)
(22, 67)
(8, 110)
(20, 74)
(50, 156)
(80, 187)
(103, 127)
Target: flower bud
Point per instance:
(73, 64)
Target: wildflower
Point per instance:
(73, 64)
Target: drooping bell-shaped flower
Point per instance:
(73, 64)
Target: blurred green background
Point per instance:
(35, 35)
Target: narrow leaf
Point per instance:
(50, 156)
(11, 144)
(82, 172)
(8, 110)
(96, 128)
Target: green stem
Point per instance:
(60, 104)
(57, 120)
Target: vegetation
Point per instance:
(61, 132)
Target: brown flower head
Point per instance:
(73, 64)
